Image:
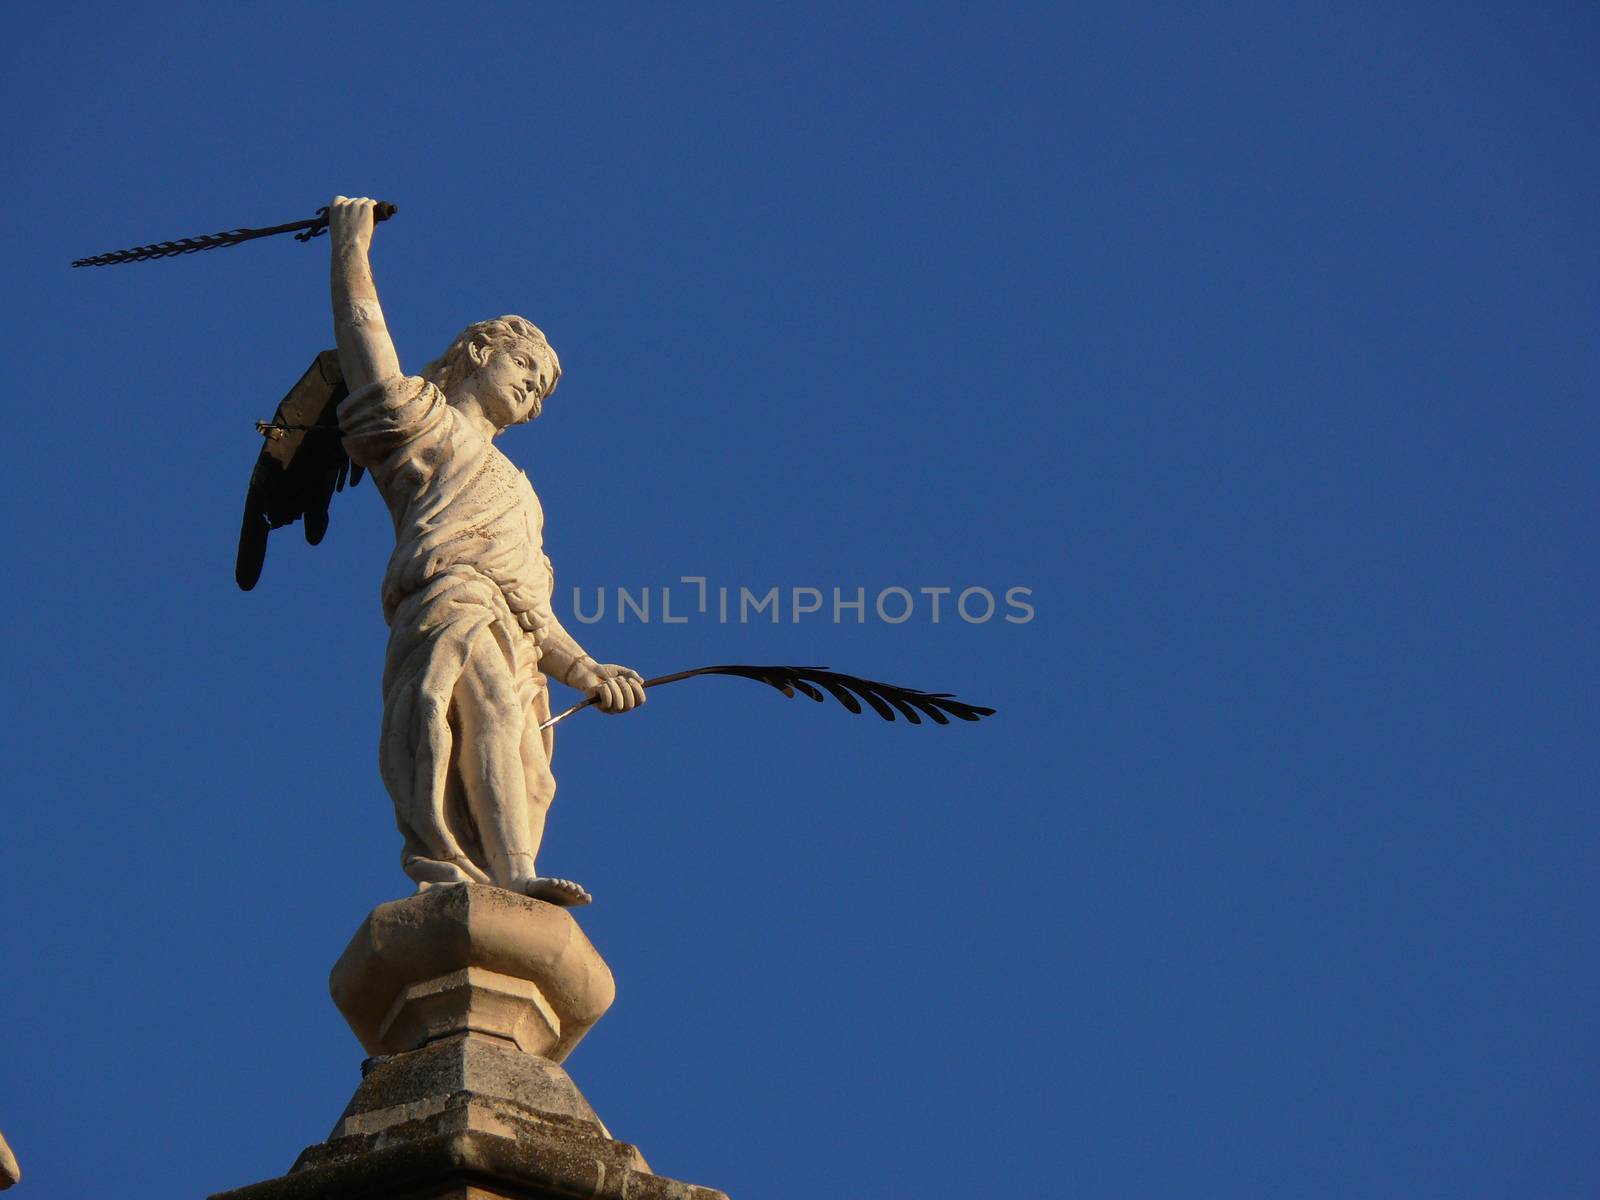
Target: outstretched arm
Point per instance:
(614, 688)
(366, 353)
(561, 658)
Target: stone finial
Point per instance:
(470, 958)
(467, 996)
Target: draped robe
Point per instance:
(468, 569)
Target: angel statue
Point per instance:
(472, 638)
(466, 737)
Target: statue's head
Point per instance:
(505, 364)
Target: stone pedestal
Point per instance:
(471, 959)
(468, 998)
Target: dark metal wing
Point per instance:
(301, 465)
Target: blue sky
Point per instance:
(1258, 342)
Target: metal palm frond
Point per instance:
(309, 228)
(885, 699)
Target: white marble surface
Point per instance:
(473, 639)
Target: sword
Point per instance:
(303, 231)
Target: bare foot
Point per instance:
(427, 885)
(557, 891)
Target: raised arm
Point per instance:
(366, 353)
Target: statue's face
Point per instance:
(511, 386)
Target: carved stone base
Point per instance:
(471, 957)
(468, 995)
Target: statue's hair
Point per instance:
(474, 344)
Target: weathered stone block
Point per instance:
(467, 995)
(471, 958)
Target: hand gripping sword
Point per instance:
(303, 231)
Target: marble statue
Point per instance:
(473, 642)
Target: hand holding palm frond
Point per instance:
(885, 699)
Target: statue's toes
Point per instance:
(564, 892)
